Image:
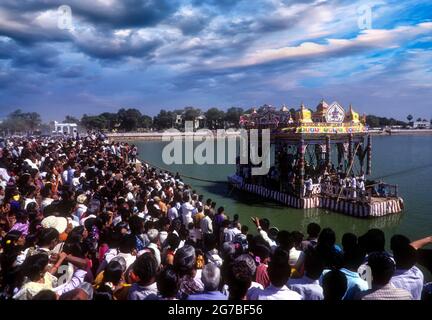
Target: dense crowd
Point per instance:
(81, 219)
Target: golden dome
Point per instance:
(304, 115)
(352, 115)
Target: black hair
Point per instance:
(210, 241)
(74, 248)
(349, 241)
(264, 223)
(140, 206)
(127, 243)
(334, 285)
(373, 241)
(145, 267)
(46, 190)
(113, 239)
(404, 254)
(279, 269)
(47, 236)
(33, 266)
(398, 241)
(8, 242)
(239, 279)
(327, 238)
(76, 234)
(45, 295)
(285, 239)
(113, 272)
(163, 221)
(313, 230)
(124, 213)
(331, 258)
(168, 282)
(354, 257)
(244, 229)
(136, 225)
(297, 238)
(382, 267)
(103, 292)
(313, 265)
(173, 240)
(262, 251)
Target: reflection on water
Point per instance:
(317, 215)
(386, 222)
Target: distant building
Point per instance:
(65, 128)
(424, 124)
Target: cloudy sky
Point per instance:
(153, 54)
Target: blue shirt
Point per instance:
(208, 295)
(410, 280)
(308, 288)
(355, 284)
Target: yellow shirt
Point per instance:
(30, 289)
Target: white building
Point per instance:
(424, 124)
(65, 128)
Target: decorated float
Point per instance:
(320, 159)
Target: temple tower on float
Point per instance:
(321, 158)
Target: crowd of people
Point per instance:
(81, 219)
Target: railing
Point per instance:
(385, 190)
(348, 193)
(381, 190)
(316, 189)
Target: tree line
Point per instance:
(131, 119)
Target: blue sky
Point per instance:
(154, 54)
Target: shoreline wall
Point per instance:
(157, 136)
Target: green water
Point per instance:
(404, 160)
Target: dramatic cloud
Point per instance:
(154, 54)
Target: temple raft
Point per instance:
(320, 159)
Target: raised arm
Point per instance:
(418, 244)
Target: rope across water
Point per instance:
(181, 174)
(224, 182)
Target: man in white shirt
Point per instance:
(406, 276)
(81, 208)
(153, 235)
(188, 210)
(361, 187)
(232, 231)
(309, 186)
(263, 226)
(353, 184)
(173, 213)
(279, 272)
(206, 224)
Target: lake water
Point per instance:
(402, 160)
